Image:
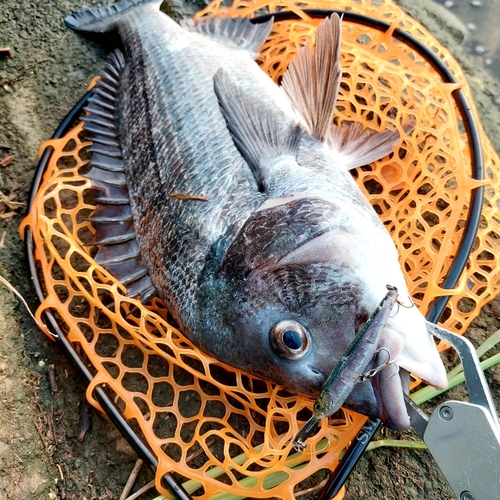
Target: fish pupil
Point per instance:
(292, 339)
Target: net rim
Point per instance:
(351, 457)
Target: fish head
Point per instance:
(287, 322)
(290, 292)
(291, 325)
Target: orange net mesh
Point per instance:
(216, 428)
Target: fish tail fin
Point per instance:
(103, 19)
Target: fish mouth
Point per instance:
(421, 358)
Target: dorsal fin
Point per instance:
(312, 81)
(237, 32)
(118, 249)
(257, 131)
(355, 146)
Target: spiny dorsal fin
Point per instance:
(257, 131)
(237, 32)
(312, 81)
(114, 227)
(356, 147)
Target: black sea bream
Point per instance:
(232, 199)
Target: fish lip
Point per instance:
(389, 394)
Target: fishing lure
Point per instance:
(350, 370)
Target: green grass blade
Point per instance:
(396, 443)
(427, 393)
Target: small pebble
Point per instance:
(41, 363)
(488, 61)
(449, 4)
(475, 3)
(480, 49)
(471, 27)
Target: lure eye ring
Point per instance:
(290, 340)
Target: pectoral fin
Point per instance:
(258, 131)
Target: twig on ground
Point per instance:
(10, 203)
(41, 413)
(52, 427)
(7, 161)
(61, 490)
(44, 441)
(145, 488)
(51, 374)
(84, 419)
(131, 479)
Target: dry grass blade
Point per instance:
(310, 490)
(40, 325)
(7, 161)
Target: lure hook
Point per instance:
(371, 373)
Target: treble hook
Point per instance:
(371, 373)
(400, 303)
(412, 304)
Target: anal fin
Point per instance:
(115, 235)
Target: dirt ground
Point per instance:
(40, 453)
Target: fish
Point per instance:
(230, 197)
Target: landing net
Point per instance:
(222, 433)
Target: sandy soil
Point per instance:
(40, 454)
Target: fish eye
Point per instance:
(290, 340)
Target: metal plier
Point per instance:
(464, 437)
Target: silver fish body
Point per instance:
(285, 260)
